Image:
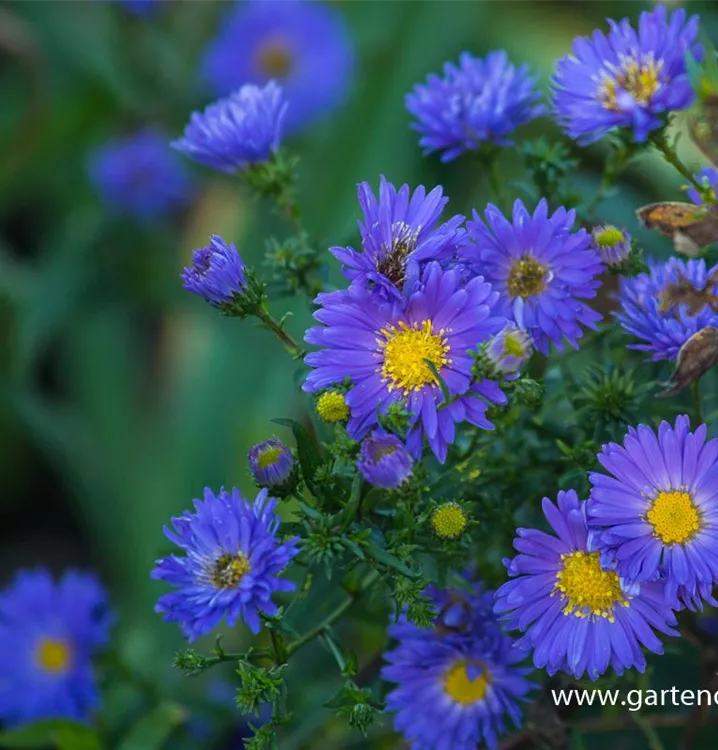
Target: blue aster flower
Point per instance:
(708, 176)
(383, 348)
(656, 512)
(541, 269)
(628, 79)
(384, 460)
(273, 466)
(458, 682)
(245, 128)
(577, 615)
(49, 632)
(305, 46)
(141, 176)
(613, 245)
(217, 273)
(231, 566)
(399, 234)
(667, 305)
(475, 103)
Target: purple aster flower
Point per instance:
(509, 350)
(578, 616)
(384, 460)
(541, 269)
(612, 245)
(245, 128)
(383, 348)
(141, 176)
(656, 513)
(305, 46)
(217, 273)
(273, 466)
(476, 102)
(49, 632)
(458, 681)
(708, 176)
(628, 79)
(667, 305)
(233, 558)
(400, 233)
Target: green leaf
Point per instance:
(59, 733)
(154, 728)
(308, 452)
(382, 556)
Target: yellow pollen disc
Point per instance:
(640, 80)
(527, 277)
(463, 690)
(53, 655)
(274, 59)
(609, 237)
(448, 521)
(586, 588)
(269, 457)
(513, 346)
(229, 570)
(332, 407)
(405, 352)
(674, 517)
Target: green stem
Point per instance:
(333, 616)
(660, 141)
(615, 164)
(257, 653)
(269, 322)
(697, 405)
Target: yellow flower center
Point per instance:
(463, 690)
(513, 345)
(609, 237)
(448, 521)
(586, 588)
(269, 457)
(332, 407)
(229, 570)
(53, 655)
(406, 351)
(641, 80)
(527, 277)
(674, 517)
(274, 59)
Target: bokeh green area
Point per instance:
(122, 396)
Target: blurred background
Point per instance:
(121, 395)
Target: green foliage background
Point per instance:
(121, 396)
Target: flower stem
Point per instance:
(660, 141)
(333, 616)
(278, 329)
